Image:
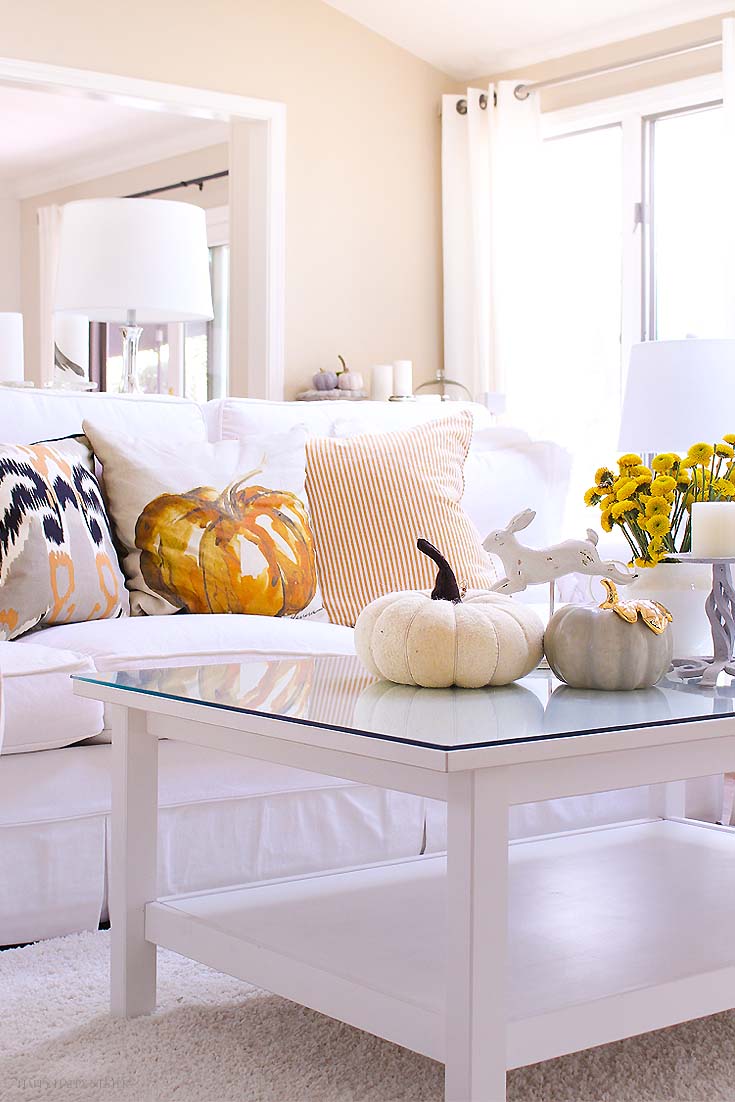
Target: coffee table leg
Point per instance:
(477, 1010)
(133, 869)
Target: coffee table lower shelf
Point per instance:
(613, 931)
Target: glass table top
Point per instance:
(337, 693)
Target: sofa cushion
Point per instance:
(373, 495)
(30, 415)
(240, 418)
(39, 710)
(57, 559)
(210, 527)
(148, 641)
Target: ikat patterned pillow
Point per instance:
(58, 563)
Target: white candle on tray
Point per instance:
(713, 529)
(402, 378)
(381, 382)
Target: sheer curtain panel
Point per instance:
(490, 172)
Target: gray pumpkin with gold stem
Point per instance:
(613, 646)
(446, 638)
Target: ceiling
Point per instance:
(470, 38)
(51, 140)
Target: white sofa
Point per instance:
(223, 819)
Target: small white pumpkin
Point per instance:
(349, 380)
(440, 639)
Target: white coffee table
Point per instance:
(492, 957)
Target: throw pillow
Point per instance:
(210, 527)
(58, 563)
(372, 495)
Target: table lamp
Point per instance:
(11, 348)
(678, 393)
(133, 261)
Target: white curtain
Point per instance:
(49, 233)
(490, 176)
(728, 153)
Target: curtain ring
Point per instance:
(483, 101)
(461, 106)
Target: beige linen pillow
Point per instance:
(371, 496)
(210, 527)
(58, 563)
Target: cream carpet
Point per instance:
(214, 1039)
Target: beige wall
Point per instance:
(185, 167)
(363, 194)
(631, 80)
(10, 294)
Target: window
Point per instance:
(687, 260)
(575, 292)
(189, 358)
(630, 246)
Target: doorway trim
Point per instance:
(257, 201)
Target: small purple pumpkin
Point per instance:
(325, 380)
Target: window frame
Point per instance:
(636, 114)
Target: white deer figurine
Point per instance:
(528, 566)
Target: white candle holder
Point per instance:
(720, 610)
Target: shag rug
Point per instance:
(214, 1039)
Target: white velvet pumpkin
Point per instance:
(437, 640)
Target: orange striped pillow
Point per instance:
(371, 496)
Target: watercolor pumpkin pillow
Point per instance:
(211, 528)
(58, 563)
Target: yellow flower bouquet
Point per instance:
(652, 505)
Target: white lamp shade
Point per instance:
(71, 336)
(11, 348)
(147, 255)
(678, 393)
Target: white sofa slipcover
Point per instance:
(224, 819)
(38, 711)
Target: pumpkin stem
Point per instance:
(227, 497)
(342, 361)
(446, 588)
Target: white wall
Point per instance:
(9, 255)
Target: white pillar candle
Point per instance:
(381, 383)
(402, 378)
(713, 529)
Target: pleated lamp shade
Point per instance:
(146, 255)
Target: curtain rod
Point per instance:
(523, 91)
(199, 181)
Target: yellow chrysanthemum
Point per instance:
(624, 507)
(700, 453)
(657, 525)
(663, 485)
(729, 438)
(657, 506)
(682, 479)
(604, 477)
(592, 496)
(644, 479)
(627, 489)
(643, 562)
(630, 459)
(606, 521)
(664, 462)
(724, 451)
(723, 487)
